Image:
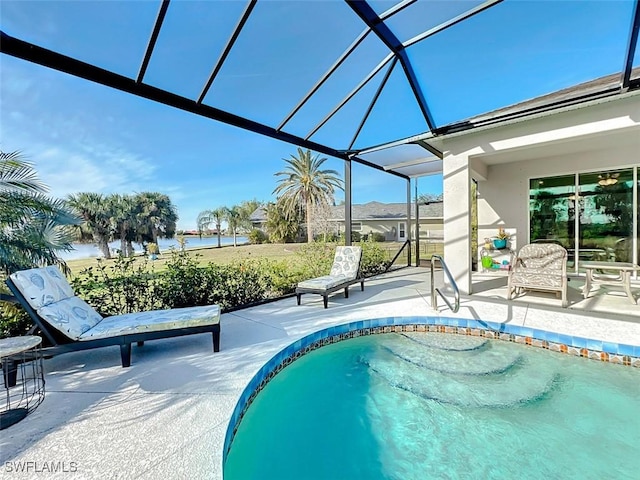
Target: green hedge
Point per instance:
(131, 285)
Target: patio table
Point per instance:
(623, 279)
(22, 378)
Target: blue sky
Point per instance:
(86, 137)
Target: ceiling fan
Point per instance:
(608, 179)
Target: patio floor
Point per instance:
(166, 415)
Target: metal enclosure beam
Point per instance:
(377, 25)
(359, 39)
(417, 210)
(351, 94)
(631, 47)
(373, 101)
(20, 49)
(450, 23)
(325, 77)
(347, 202)
(152, 40)
(227, 48)
(408, 226)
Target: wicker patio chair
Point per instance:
(540, 267)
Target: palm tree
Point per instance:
(215, 216)
(233, 216)
(33, 227)
(282, 226)
(158, 216)
(95, 211)
(124, 220)
(305, 184)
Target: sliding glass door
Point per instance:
(552, 211)
(593, 215)
(606, 216)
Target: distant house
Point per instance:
(388, 219)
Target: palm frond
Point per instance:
(16, 174)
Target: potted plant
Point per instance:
(500, 240)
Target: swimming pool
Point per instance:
(429, 405)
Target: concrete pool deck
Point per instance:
(167, 415)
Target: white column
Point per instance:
(457, 219)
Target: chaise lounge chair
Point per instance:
(70, 324)
(539, 266)
(344, 272)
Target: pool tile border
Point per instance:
(621, 354)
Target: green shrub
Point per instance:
(283, 278)
(239, 283)
(315, 259)
(14, 321)
(130, 286)
(377, 237)
(257, 236)
(374, 259)
(183, 283)
(125, 287)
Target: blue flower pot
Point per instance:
(500, 243)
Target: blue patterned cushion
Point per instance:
(42, 286)
(49, 293)
(72, 316)
(154, 320)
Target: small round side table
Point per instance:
(22, 376)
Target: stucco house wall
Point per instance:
(600, 135)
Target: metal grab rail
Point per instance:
(456, 293)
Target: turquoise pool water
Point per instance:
(430, 405)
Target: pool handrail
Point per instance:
(456, 293)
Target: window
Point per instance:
(591, 214)
(356, 226)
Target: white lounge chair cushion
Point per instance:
(324, 283)
(154, 320)
(346, 262)
(42, 286)
(72, 316)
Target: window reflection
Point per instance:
(606, 218)
(590, 214)
(552, 206)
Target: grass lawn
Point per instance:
(228, 253)
(222, 255)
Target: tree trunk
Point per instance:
(309, 232)
(234, 238)
(103, 245)
(123, 244)
(154, 234)
(218, 226)
(129, 249)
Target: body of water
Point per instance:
(89, 250)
